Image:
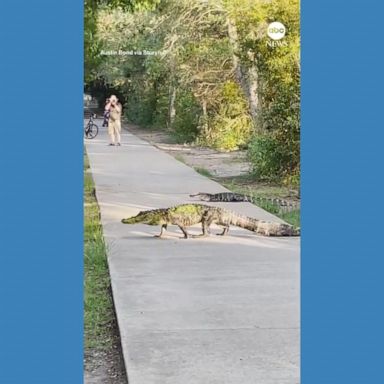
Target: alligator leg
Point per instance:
(206, 225)
(163, 229)
(186, 234)
(206, 231)
(225, 231)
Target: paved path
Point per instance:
(197, 311)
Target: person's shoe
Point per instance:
(111, 144)
(118, 144)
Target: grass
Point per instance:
(203, 172)
(262, 192)
(180, 158)
(292, 217)
(247, 184)
(98, 302)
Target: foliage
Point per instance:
(203, 171)
(265, 166)
(262, 193)
(91, 46)
(278, 70)
(185, 127)
(230, 126)
(188, 69)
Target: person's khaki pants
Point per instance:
(114, 129)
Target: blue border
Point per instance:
(342, 167)
(41, 275)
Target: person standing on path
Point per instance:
(114, 124)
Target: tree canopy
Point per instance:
(206, 70)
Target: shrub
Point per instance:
(229, 123)
(185, 127)
(266, 157)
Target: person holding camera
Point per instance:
(114, 123)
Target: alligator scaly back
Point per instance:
(231, 197)
(183, 216)
(222, 197)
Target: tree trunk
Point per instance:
(172, 93)
(246, 77)
(253, 99)
(204, 126)
(154, 101)
(172, 106)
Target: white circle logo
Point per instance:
(276, 30)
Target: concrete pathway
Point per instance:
(197, 311)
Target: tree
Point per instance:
(208, 74)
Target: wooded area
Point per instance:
(205, 71)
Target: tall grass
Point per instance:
(98, 303)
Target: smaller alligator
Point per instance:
(223, 196)
(186, 215)
(228, 197)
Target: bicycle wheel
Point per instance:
(91, 131)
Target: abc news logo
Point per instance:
(276, 31)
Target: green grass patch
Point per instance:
(262, 192)
(98, 303)
(203, 172)
(180, 158)
(292, 217)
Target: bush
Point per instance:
(228, 133)
(185, 127)
(229, 124)
(266, 157)
(272, 160)
(138, 108)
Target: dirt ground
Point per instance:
(104, 368)
(218, 164)
(106, 365)
(230, 169)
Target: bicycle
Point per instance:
(91, 129)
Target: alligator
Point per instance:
(227, 197)
(223, 196)
(186, 215)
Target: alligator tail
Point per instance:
(264, 228)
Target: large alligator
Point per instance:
(186, 215)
